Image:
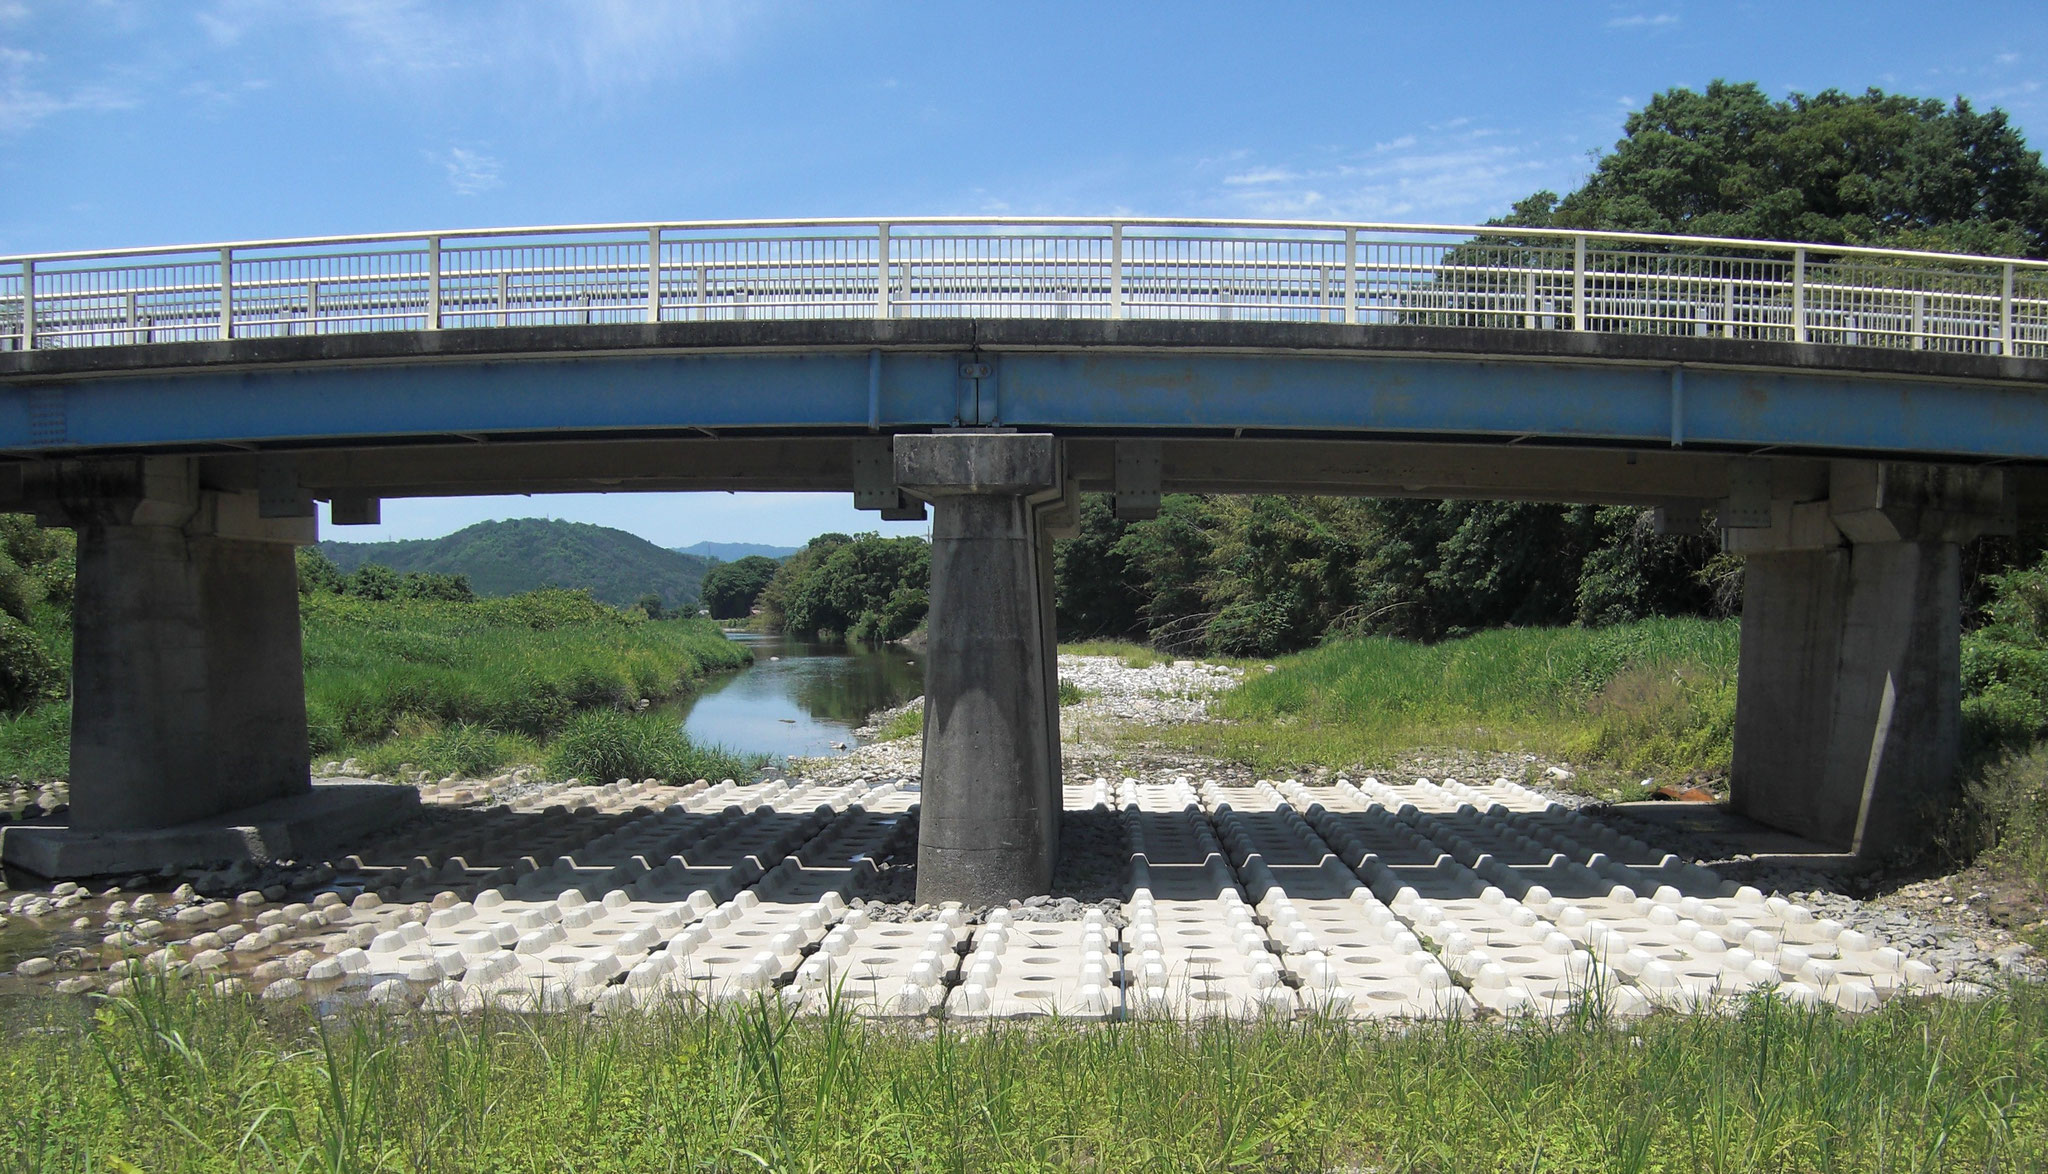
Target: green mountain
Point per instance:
(506, 558)
(732, 552)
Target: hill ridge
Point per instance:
(521, 554)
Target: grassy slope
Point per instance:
(506, 558)
(1652, 696)
(189, 1084)
(469, 686)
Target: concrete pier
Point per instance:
(1849, 709)
(189, 702)
(989, 822)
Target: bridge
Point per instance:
(1850, 415)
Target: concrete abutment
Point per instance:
(1849, 702)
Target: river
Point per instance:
(798, 698)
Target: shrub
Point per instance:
(606, 745)
(27, 676)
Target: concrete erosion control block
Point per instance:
(331, 814)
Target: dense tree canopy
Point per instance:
(730, 589)
(866, 588)
(1866, 169)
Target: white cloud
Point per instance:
(574, 46)
(1643, 20)
(1467, 175)
(26, 101)
(469, 172)
(13, 10)
(1262, 177)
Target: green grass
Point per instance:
(908, 724)
(604, 745)
(1137, 656)
(1656, 695)
(171, 1082)
(454, 687)
(522, 665)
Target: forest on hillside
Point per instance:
(528, 554)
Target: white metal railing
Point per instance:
(1048, 267)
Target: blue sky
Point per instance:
(125, 122)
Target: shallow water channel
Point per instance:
(799, 699)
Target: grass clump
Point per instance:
(464, 749)
(166, 1080)
(1645, 696)
(606, 745)
(908, 724)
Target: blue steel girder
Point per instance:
(1137, 391)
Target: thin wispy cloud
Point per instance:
(28, 98)
(585, 47)
(470, 172)
(1466, 175)
(1644, 20)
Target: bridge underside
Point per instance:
(190, 472)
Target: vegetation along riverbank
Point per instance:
(413, 669)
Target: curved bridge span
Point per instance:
(1849, 416)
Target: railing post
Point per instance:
(654, 275)
(128, 314)
(1579, 284)
(227, 293)
(2005, 312)
(883, 308)
(1351, 276)
(433, 283)
(1799, 295)
(1116, 270)
(28, 305)
(1919, 321)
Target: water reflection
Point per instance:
(799, 698)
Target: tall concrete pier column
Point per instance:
(190, 697)
(188, 712)
(1849, 703)
(989, 824)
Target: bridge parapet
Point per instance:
(1522, 279)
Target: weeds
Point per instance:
(222, 1084)
(908, 724)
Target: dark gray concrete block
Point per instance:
(324, 818)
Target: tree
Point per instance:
(372, 581)
(436, 585)
(1869, 169)
(650, 606)
(730, 589)
(318, 574)
(869, 589)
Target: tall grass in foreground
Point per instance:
(1652, 695)
(170, 1081)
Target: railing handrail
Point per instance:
(198, 251)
